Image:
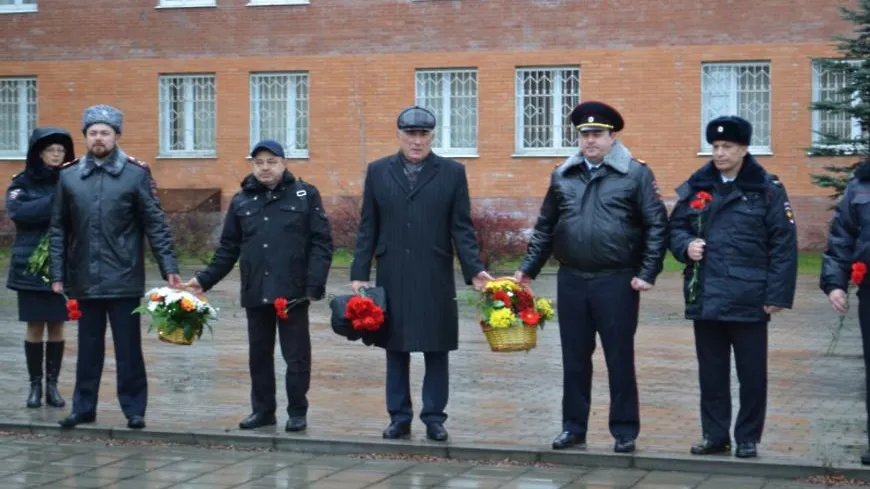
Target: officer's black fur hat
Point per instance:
(729, 128)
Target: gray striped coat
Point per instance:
(412, 235)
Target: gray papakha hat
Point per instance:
(103, 114)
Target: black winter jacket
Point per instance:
(610, 221)
(849, 236)
(98, 228)
(29, 200)
(281, 238)
(751, 254)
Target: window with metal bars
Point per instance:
(17, 115)
(545, 98)
(829, 83)
(279, 111)
(17, 6)
(741, 89)
(187, 116)
(452, 96)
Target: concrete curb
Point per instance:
(720, 465)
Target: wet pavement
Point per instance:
(55, 463)
(816, 413)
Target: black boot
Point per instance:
(53, 360)
(33, 353)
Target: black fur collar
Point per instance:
(752, 176)
(863, 171)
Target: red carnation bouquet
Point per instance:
(698, 206)
(72, 309)
(859, 270)
(363, 313)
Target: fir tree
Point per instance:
(853, 100)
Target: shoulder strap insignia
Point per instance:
(147, 169)
(16, 175)
(70, 163)
(642, 162)
(138, 162)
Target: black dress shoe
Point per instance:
(136, 422)
(624, 445)
(746, 449)
(710, 447)
(257, 420)
(397, 430)
(436, 432)
(566, 439)
(296, 423)
(865, 458)
(76, 419)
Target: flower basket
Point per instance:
(179, 316)
(510, 315)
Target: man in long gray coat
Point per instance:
(416, 210)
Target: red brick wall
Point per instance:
(361, 58)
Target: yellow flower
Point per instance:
(504, 285)
(545, 307)
(501, 318)
(187, 305)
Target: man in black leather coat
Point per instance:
(106, 204)
(604, 221)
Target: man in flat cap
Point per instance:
(603, 220)
(849, 244)
(416, 211)
(106, 205)
(277, 229)
(734, 229)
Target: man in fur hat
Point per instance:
(106, 205)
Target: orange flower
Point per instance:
(156, 298)
(187, 305)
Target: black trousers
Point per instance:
(713, 343)
(606, 305)
(435, 387)
(295, 341)
(864, 320)
(132, 383)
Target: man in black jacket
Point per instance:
(603, 220)
(277, 228)
(106, 204)
(848, 243)
(734, 229)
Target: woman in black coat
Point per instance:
(29, 202)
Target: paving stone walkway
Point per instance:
(815, 410)
(52, 463)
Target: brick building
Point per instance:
(199, 80)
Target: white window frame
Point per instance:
(19, 7)
(445, 122)
(289, 143)
(706, 148)
(186, 3)
(817, 115)
(260, 3)
(189, 132)
(559, 119)
(23, 115)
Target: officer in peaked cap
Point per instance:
(416, 211)
(747, 271)
(610, 245)
(596, 116)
